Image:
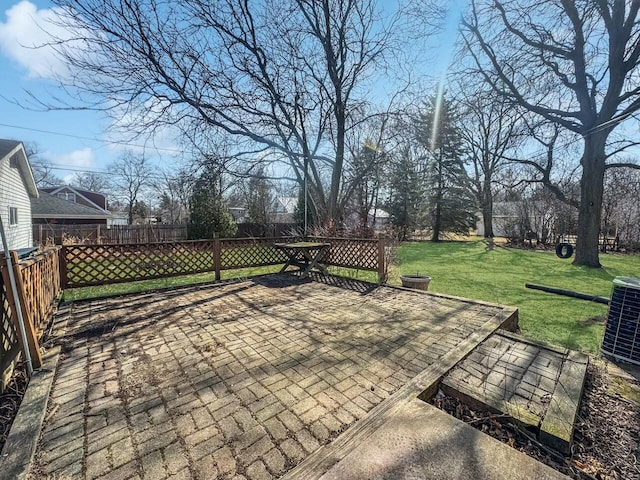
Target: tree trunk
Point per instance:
(437, 219)
(487, 213)
(130, 214)
(591, 191)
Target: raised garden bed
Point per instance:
(606, 440)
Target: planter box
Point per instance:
(418, 282)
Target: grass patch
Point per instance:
(497, 274)
(84, 293)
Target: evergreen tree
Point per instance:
(452, 206)
(406, 193)
(208, 212)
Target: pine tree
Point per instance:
(208, 212)
(406, 195)
(452, 206)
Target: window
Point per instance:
(13, 161)
(69, 196)
(13, 215)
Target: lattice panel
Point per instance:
(358, 253)
(8, 339)
(41, 279)
(86, 265)
(101, 264)
(246, 252)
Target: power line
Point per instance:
(66, 168)
(91, 139)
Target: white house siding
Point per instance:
(14, 194)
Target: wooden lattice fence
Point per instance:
(87, 265)
(39, 287)
(358, 253)
(9, 347)
(41, 283)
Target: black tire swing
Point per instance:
(564, 250)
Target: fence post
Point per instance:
(217, 257)
(31, 342)
(62, 265)
(382, 277)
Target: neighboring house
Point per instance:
(69, 206)
(504, 214)
(377, 218)
(284, 209)
(239, 214)
(80, 196)
(507, 214)
(17, 188)
(118, 218)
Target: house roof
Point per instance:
(6, 146)
(9, 148)
(379, 213)
(50, 206)
(288, 204)
(79, 192)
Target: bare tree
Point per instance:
(131, 177)
(571, 64)
(41, 167)
(620, 209)
(174, 190)
(282, 77)
(93, 182)
(489, 129)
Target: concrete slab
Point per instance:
(422, 442)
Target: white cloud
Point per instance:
(77, 159)
(24, 37)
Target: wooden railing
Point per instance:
(38, 289)
(87, 265)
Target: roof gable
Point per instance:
(79, 193)
(14, 148)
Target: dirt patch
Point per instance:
(10, 400)
(597, 320)
(145, 375)
(606, 440)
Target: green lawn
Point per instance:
(473, 270)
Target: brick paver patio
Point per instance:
(242, 380)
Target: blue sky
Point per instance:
(27, 69)
(79, 140)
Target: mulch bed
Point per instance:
(606, 440)
(10, 400)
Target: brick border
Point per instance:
(559, 422)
